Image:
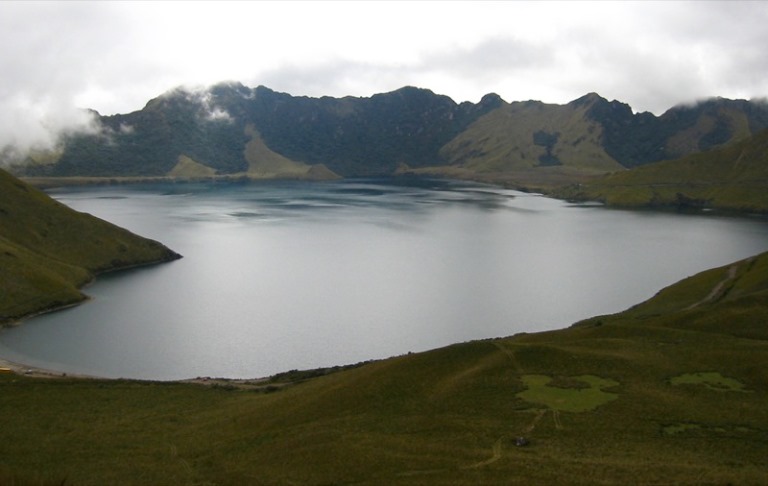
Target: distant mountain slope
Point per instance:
(362, 136)
(47, 250)
(524, 135)
(220, 127)
(594, 134)
(731, 177)
(348, 136)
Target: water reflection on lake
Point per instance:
(283, 275)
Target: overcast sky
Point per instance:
(113, 57)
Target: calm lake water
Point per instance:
(292, 275)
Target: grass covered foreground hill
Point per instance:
(48, 251)
(671, 391)
(734, 177)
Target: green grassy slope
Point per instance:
(671, 391)
(733, 177)
(47, 250)
(524, 135)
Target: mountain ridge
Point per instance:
(379, 135)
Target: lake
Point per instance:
(295, 275)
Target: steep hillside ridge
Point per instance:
(48, 251)
(642, 138)
(361, 136)
(214, 127)
(409, 128)
(592, 133)
(524, 135)
(149, 142)
(713, 123)
(733, 177)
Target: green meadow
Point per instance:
(671, 391)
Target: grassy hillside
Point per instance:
(542, 147)
(734, 177)
(188, 168)
(672, 391)
(48, 251)
(263, 163)
(531, 134)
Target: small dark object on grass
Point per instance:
(522, 442)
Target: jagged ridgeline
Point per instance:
(48, 251)
(230, 129)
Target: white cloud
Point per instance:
(60, 57)
(208, 110)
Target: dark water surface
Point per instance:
(285, 275)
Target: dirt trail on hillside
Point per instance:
(717, 290)
(495, 456)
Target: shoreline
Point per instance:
(266, 384)
(17, 321)
(37, 372)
